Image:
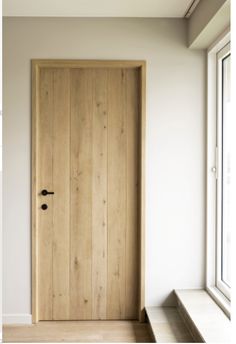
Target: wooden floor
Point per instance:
(78, 331)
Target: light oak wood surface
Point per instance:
(78, 332)
(44, 180)
(61, 200)
(117, 192)
(81, 194)
(100, 189)
(87, 128)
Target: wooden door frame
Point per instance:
(36, 65)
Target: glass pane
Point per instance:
(227, 153)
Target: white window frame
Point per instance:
(214, 285)
(224, 52)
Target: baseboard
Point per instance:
(17, 319)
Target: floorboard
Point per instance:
(78, 332)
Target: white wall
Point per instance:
(175, 142)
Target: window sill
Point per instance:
(220, 299)
(167, 326)
(204, 318)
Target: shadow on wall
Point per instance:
(170, 300)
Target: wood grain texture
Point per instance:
(117, 132)
(91, 155)
(61, 199)
(99, 213)
(81, 194)
(78, 332)
(45, 181)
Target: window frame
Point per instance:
(220, 284)
(214, 285)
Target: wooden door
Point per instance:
(87, 151)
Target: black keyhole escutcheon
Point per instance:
(44, 206)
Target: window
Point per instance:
(224, 152)
(220, 129)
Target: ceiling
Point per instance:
(97, 8)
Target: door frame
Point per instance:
(51, 63)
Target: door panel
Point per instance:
(88, 154)
(54, 153)
(45, 181)
(81, 193)
(99, 212)
(117, 134)
(61, 199)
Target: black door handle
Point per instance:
(46, 192)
